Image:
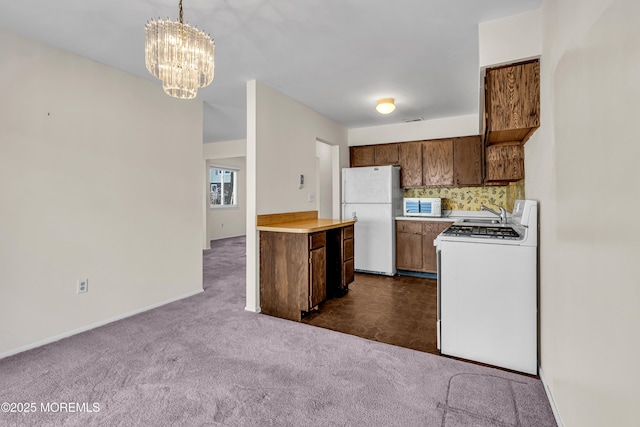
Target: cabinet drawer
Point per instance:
(348, 232)
(317, 240)
(414, 227)
(348, 249)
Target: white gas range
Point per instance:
(487, 289)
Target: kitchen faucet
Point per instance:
(502, 214)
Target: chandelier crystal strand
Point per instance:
(181, 56)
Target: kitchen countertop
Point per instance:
(451, 216)
(305, 226)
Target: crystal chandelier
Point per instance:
(179, 55)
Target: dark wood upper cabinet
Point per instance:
(374, 155)
(504, 163)
(467, 161)
(386, 154)
(437, 162)
(362, 156)
(411, 164)
(512, 98)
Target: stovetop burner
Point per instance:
(482, 231)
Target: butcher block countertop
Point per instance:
(298, 222)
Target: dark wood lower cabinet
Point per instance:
(409, 240)
(414, 244)
(298, 271)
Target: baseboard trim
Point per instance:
(552, 403)
(252, 309)
(227, 237)
(94, 325)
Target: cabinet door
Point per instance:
(318, 278)
(437, 162)
(467, 160)
(431, 231)
(513, 98)
(362, 156)
(409, 241)
(386, 154)
(505, 163)
(411, 164)
(348, 250)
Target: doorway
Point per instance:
(327, 180)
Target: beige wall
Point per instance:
(281, 145)
(414, 131)
(325, 180)
(582, 165)
(100, 178)
(510, 39)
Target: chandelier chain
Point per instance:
(181, 11)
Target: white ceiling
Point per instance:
(335, 56)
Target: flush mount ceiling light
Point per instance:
(385, 105)
(179, 55)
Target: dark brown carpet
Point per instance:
(205, 361)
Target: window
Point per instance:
(223, 183)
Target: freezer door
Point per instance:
(368, 185)
(375, 239)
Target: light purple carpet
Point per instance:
(205, 361)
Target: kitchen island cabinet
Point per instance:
(302, 262)
(414, 244)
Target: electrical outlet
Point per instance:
(83, 286)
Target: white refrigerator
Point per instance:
(372, 196)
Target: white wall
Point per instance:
(415, 131)
(223, 223)
(586, 152)
(100, 178)
(281, 145)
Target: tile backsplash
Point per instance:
(470, 198)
